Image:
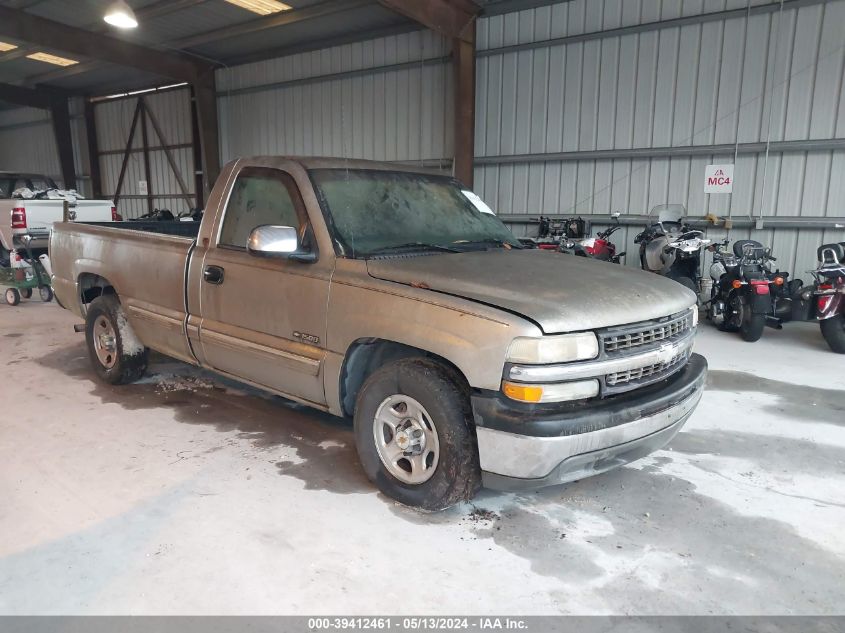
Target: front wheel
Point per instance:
(46, 294)
(27, 293)
(833, 331)
(116, 354)
(415, 436)
(13, 297)
(752, 327)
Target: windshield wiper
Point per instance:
(492, 241)
(416, 245)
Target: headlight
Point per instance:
(552, 392)
(553, 349)
(694, 316)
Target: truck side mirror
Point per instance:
(277, 241)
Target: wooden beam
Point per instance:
(463, 61)
(78, 42)
(93, 150)
(206, 102)
(451, 18)
(126, 154)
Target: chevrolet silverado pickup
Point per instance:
(397, 298)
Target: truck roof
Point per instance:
(320, 162)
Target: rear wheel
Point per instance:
(46, 294)
(116, 354)
(833, 331)
(13, 297)
(27, 293)
(415, 436)
(752, 326)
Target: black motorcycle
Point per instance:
(741, 299)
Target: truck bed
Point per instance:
(181, 229)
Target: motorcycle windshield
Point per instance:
(669, 213)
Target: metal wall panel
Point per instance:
(742, 79)
(282, 106)
(172, 110)
(27, 142)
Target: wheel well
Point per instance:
(366, 355)
(92, 286)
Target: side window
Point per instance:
(260, 196)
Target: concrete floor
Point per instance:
(186, 495)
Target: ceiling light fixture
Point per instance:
(52, 59)
(261, 7)
(4, 47)
(121, 15)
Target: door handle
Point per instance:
(213, 275)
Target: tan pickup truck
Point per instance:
(397, 298)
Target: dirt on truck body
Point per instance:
(396, 297)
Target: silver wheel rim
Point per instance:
(406, 439)
(105, 342)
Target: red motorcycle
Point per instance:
(598, 247)
(829, 292)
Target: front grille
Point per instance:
(622, 340)
(641, 376)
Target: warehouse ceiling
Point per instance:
(212, 31)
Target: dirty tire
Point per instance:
(127, 367)
(27, 293)
(445, 396)
(13, 297)
(833, 331)
(752, 327)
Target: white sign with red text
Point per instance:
(718, 178)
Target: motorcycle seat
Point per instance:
(741, 245)
(827, 252)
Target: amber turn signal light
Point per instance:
(736, 283)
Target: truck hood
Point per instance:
(560, 293)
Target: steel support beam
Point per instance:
(26, 97)
(206, 103)
(739, 222)
(463, 61)
(93, 150)
(60, 115)
(811, 145)
(450, 18)
(40, 31)
(455, 19)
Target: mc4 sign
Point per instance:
(718, 178)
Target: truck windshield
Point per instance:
(375, 212)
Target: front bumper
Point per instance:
(532, 446)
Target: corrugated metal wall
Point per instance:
(27, 142)
(711, 82)
(394, 106)
(172, 110)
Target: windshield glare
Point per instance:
(373, 211)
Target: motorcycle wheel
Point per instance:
(833, 331)
(752, 327)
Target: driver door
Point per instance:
(263, 319)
